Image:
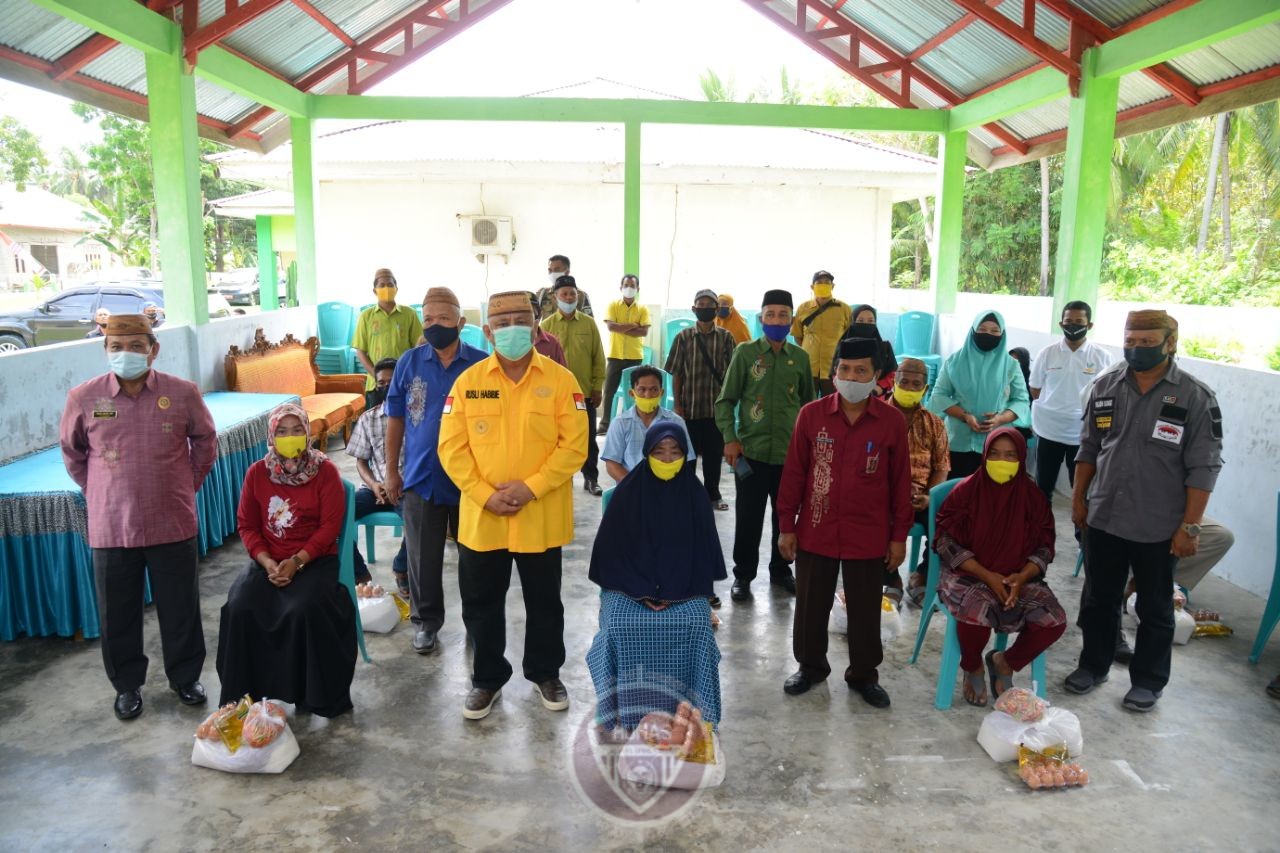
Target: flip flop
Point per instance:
(975, 683)
(994, 675)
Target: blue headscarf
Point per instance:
(980, 379)
(658, 538)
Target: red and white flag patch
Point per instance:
(448, 405)
(580, 402)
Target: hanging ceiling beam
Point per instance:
(325, 21)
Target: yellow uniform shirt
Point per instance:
(495, 431)
(626, 346)
(381, 335)
(583, 351)
(819, 338)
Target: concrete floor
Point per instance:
(406, 771)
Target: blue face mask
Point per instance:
(127, 365)
(513, 342)
(567, 307)
(776, 331)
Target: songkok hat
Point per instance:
(510, 302)
(858, 348)
(706, 293)
(1152, 319)
(128, 324)
(777, 297)
(443, 295)
(913, 365)
(823, 274)
(384, 272)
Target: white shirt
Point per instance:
(1062, 375)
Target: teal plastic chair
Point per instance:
(887, 323)
(622, 400)
(915, 534)
(949, 666)
(605, 498)
(1079, 562)
(647, 358)
(417, 309)
(671, 328)
(474, 336)
(915, 340)
(347, 561)
(386, 518)
(336, 323)
(752, 319)
(1271, 615)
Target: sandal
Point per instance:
(1273, 689)
(976, 685)
(402, 583)
(720, 506)
(994, 675)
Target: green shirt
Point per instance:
(583, 349)
(762, 395)
(381, 335)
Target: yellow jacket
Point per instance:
(496, 431)
(820, 338)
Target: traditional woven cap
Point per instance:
(777, 297)
(706, 293)
(384, 272)
(858, 348)
(128, 324)
(1141, 321)
(913, 365)
(510, 302)
(442, 295)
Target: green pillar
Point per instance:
(175, 162)
(304, 212)
(267, 283)
(948, 219)
(631, 200)
(1086, 188)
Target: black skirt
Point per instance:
(296, 643)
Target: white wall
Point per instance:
(1244, 498)
(34, 382)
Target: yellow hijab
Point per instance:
(734, 322)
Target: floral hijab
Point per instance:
(299, 470)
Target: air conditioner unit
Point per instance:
(491, 235)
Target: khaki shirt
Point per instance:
(821, 336)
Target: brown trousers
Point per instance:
(815, 591)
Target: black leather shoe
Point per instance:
(128, 704)
(786, 582)
(741, 591)
(190, 694)
(1082, 681)
(424, 642)
(874, 695)
(796, 684)
(591, 487)
(1124, 652)
(553, 694)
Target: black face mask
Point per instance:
(865, 330)
(374, 397)
(1074, 331)
(986, 342)
(440, 337)
(1145, 358)
(704, 315)
(724, 313)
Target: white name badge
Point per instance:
(1166, 431)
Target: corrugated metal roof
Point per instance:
(38, 32)
(286, 39)
(1114, 13)
(218, 103)
(976, 57)
(121, 66)
(1247, 52)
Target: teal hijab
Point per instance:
(981, 379)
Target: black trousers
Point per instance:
(613, 368)
(964, 463)
(708, 443)
(425, 526)
(1108, 561)
(1049, 458)
(815, 594)
(748, 523)
(483, 580)
(119, 575)
(590, 468)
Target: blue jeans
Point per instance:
(367, 504)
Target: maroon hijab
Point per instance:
(1002, 525)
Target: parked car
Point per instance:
(240, 287)
(68, 316)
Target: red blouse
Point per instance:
(283, 520)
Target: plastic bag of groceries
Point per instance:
(673, 751)
(245, 737)
(379, 612)
(1001, 735)
(890, 618)
(1184, 623)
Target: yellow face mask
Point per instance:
(823, 291)
(291, 446)
(908, 399)
(648, 405)
(385, 294)
(1000, 471)
(665, 470)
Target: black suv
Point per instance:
(68, 316)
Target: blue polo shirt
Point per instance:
(417, 394)
(624, 443)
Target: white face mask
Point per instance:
(854, 392)
(629, 292)
(552, 276)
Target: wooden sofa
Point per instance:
(333, 403)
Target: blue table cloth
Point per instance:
(46, 569)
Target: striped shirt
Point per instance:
(699, 388)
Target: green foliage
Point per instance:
(1273, 359)
(1146, 272)
(1002, 229)
(1229, 351)
(22, 160)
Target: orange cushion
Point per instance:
(285, 372)
(332, 408)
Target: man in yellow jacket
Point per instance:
(818, 325)
(513, 433)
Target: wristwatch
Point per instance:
(1192, 530)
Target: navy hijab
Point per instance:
(658, 539)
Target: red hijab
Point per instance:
(1002, 525)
